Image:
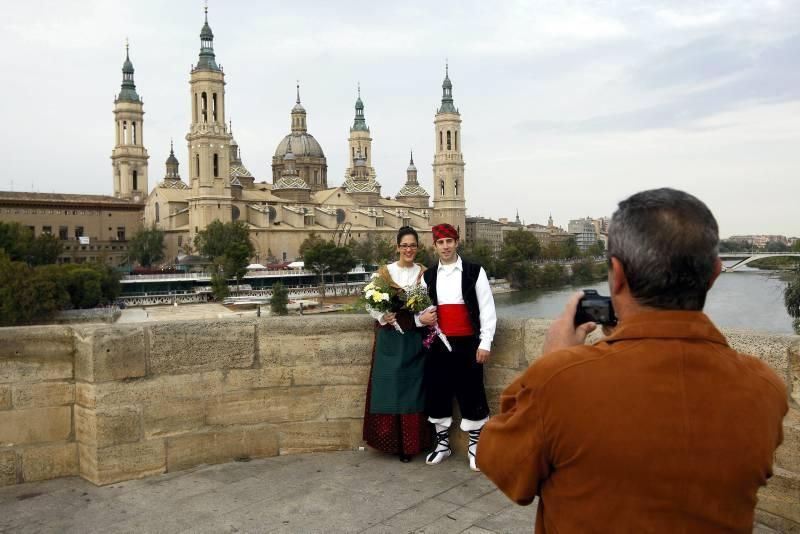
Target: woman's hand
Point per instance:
(389, 318)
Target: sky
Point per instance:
(568, 106)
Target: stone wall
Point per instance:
(118, 402)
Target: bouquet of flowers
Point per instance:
(381, 296)
(418, 301)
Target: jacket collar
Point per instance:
(667, 324)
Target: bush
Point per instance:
(279, 300)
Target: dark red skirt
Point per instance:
(409, 433)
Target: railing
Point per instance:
(207, 276)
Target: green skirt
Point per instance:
(397, 372)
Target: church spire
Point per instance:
(128, 90)
(447, 92)
(360, 123)
(207, 59)
(298, 115)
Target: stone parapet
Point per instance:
(114, 403)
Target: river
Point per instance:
(748, 299)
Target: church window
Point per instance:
(354, 152)
(197, 165)
(78, 232)
(120, 233)
(194, 109)
(366, 154)
(316, 177)
(214, 107)
(135, 181)
(455, 188)
(448, 140)
(441, 186)
(216, 166)
(180, 240)
(204, 106)
(158, 214)
(124, 132)
(456, 140)
(133, 132)
(440, 139)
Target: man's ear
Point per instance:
(617, 281)
(715, 273)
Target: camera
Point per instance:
(595, 308)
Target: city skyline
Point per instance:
(555, 100)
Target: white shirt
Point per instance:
(448, 291)
(405, 277)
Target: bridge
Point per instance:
(747, 257)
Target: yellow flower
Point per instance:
(377, 296)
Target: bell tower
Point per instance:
(208, 140)
(449, 204)
(359, 141)
(129, 157)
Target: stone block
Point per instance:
(191, 347)
(498, 376)
(223, 446)
(122, 462)
(43, 394)
(273, 405)
(49, 461)
(5, 397)
(173, 418)
(310, 325)
(778, 525)
(348, 348)
(288, 350)
(315, 436)
(342, 402)
(493, 397)
(266, 377)
(788, 454)
(109, 353)
(794, 370)
(33, 354)
(166, 388)
(781, 495)
(535, 331)
(326, 375)
(111, 426)
(772, 349)
(508, 347)
(35, 425)
(85, 395)
(8, 467)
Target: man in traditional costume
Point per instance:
(466, 315)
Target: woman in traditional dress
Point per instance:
(394, 421)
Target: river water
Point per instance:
(748, 299)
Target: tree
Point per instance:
(279, 300)
(777, 246)
(19, 244)
(796, 245)
(385, 251)
(27, 294)
(569, 248)
(342, 261)
(791, 298)
(425, 256)
(147, 247)
(318, 256)
(598, 249)
(364, 250)
(583, 271)
(228, 245)
(480, 252)
(520, 245)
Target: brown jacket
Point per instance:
(661, 427)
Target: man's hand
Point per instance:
(562, 333)
(482, 356)
(389, 318)
(429, 318)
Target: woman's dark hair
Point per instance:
(404, 231)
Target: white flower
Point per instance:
(385, 296)
(369, 293)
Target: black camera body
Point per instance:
(595, 308)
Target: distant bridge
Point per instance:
(747, 257)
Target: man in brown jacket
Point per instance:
(661, 427)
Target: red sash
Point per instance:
(454, 320)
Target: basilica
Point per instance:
(299, 200)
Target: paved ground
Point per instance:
(362, 492)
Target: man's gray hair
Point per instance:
(668, 244)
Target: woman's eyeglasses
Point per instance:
(404, 246)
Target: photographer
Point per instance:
(660, 427)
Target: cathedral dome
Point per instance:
(303, 145)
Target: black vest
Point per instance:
(469, 276)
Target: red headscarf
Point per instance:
(443, 231)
